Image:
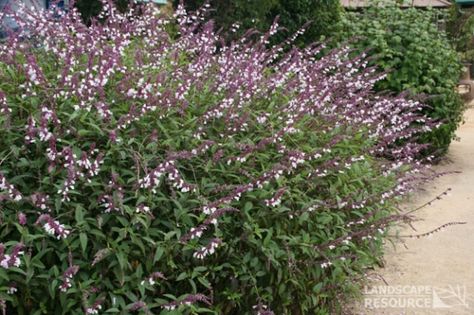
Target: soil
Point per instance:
(436, 272)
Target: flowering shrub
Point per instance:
(145, 173)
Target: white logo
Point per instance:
(419, 296)
(450, 297)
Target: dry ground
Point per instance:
(443, 263)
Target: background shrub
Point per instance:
(460, 27)
(324, 16)
(150, 174)
(417, 56)
(90, 9)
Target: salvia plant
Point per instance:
(148, 167)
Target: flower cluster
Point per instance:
(68, 275)
(190, 299)
(12, 259)
(209, 249)
(113, 198)
(53, 227)
(94, 308)
(152, 279)
(276, 199)
(12, 192)
(152, 180)
(40, 201)
(143, 209)
(262, 309)
(4, 109)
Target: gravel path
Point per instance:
(435, 274)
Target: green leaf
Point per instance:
(182, 276)
(158, 254)
(113, 310)
(79, 215)
(83, 240)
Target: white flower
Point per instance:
(169, 307)
(17, 261)
(208, 210)
(325, 265)
(12, 290)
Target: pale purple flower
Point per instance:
(21, 218)
(139, 305)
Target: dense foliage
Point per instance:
(90, 9)
(320, 17)
(418, 58)
(142, 173)
(460, 28)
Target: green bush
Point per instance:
(141, 173)
(417, 56)
(460, 28)
(323, 16)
